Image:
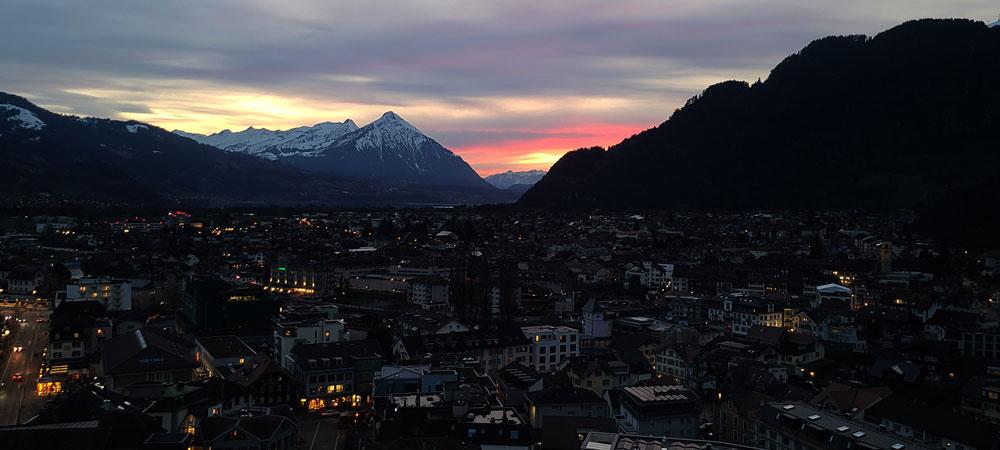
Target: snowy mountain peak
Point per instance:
(389, 133)
(391, 119)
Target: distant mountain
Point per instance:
(273, 145)
(111, 160)
(509, 178)
(905, 119)
(388, 149)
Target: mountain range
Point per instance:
(389, 149)
(510, 178)
(904, 119)
(127, 161)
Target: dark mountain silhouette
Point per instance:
(111, 160)
(908, 118)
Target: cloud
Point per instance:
(494, 80)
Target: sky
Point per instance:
(508, 85)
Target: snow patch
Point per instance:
(23, 118)
(135, 127)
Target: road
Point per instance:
(18, 401)
(319, 434)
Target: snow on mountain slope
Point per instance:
(509, 178)
(21, 117)
(275, 144)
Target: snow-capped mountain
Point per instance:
(388, 149)
(277, 144)
(509, 178)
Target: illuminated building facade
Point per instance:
(336, 375)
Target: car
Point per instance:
(17, 377)
(39, 320)
(17, 349)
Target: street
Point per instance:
(319, 434)
(18, 400)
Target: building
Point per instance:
(516, 381)
(739, 312)
(595, 324)
(218, 352)
(550, 346)
(491, 350)
(980, 399)
(303, 281)
(649, 275)
(267, 383)
(336, 375)
(114, 294)
(430, 293)
(617, 441)
(563, 402)
(254, 432)
(598, 374)
(312, 324)
(786, 425)
(213, 306)
(497, 429)
(672, 410)
(147, 354)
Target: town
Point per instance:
(494, 327)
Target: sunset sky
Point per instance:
(505, 84)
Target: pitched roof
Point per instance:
(146, 349)
(227, 346)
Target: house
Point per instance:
(564, 402)
(933, 425)
(799, 425)
(267, 382)
(677, 361)
(739, 312)
(516, 381)
(496, 428)
(269, 431)
(550, 346)
(672, 410)
(336, 375)
(648, 274)
(24, 280)
(311, 324)
(597, 373)
(77, 331)
(429, 322)
(491, 349)
(147, 354)
(217, 352)
(430, 293)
